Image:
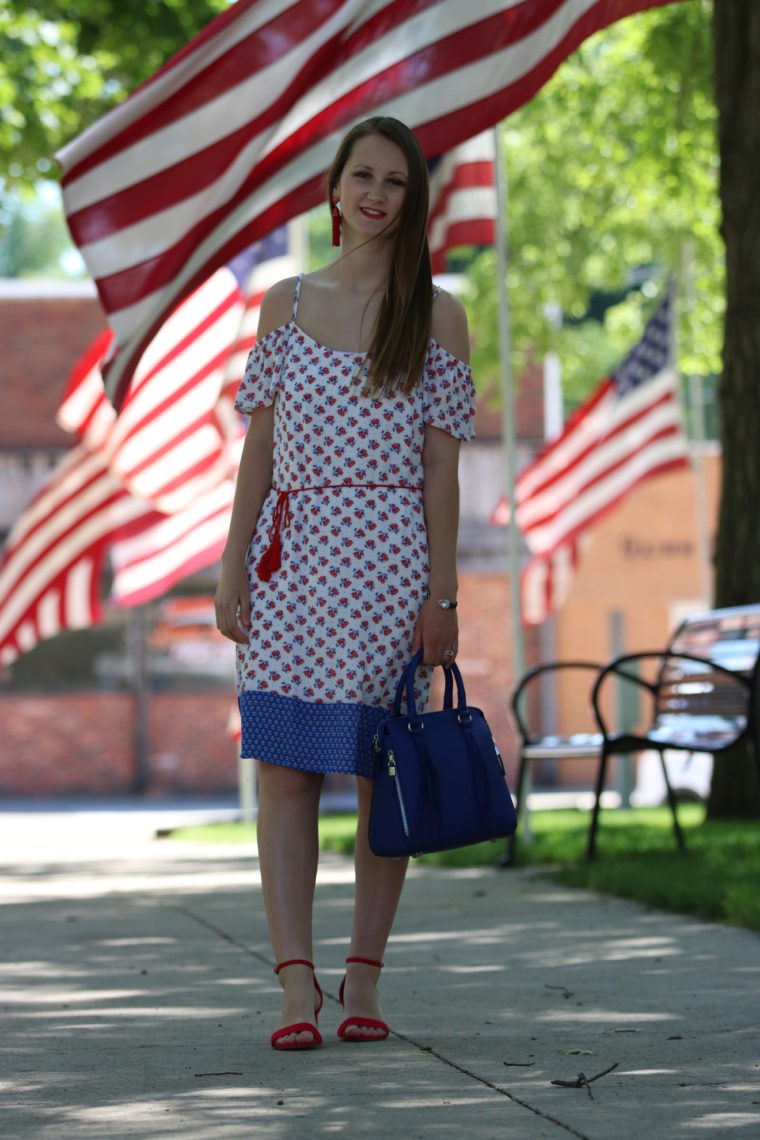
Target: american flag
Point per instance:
(463, 199)
(629, 429)
(232, 136)
(150, 491)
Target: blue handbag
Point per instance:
(439, 779)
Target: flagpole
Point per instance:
(508, 431)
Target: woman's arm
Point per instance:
(437, 629)
(254, 479)
(232, 600)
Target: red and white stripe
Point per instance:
(167, 445)
(546, 580)
(608, 446)
(263, 275)
(52, 564)
(151, 562)
(232, 136)
(463, 199)
(630, 429)
(51, 575)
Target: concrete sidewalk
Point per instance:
(138, 998)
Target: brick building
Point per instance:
(75, 720)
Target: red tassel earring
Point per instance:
(336, 225)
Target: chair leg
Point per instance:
(508, 857)
(672, 802)
(755, 750)
(601, 775)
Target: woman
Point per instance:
(341, 556)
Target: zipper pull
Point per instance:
(391, 763)
(376, 744)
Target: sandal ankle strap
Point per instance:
(366, 962)
(293, 962)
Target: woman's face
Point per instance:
(372, 186)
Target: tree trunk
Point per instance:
(736, 38)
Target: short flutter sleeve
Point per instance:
(448, 393)
(262, 372)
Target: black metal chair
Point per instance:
(536, 745)
(704, 696)
(697, 706)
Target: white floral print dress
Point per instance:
(332, 627)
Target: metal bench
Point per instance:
(702, 691)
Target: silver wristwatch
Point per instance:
(444, 603)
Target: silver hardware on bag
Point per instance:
(392, 771)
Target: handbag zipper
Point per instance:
(393, 773)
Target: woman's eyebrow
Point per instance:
(366, 166)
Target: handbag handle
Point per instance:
(407, 680)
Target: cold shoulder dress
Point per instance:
(332, 627)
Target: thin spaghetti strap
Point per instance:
(289, 337)
(297, 296)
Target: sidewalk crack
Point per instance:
(205, 922)
(490, 1085)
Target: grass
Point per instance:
(717, 877)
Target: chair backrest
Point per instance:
(694, 699)
(729, 637)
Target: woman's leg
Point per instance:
(288, 846)
(378, 888)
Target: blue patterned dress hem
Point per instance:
(309, 736)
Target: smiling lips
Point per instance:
(370, 213)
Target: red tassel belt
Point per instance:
(271, 559)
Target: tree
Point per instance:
(736, 37)
(63, 66)
(35, 238)
(610, 167)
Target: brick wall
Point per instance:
(41, 338)
(84, 744)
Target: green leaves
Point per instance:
(610, 168)
(59, 73)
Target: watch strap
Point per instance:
(444, 603)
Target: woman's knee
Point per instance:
(288, 783)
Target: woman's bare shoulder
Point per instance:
(449, 325)
(277, 306)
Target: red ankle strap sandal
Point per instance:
(381, 1027)
(299, 1026)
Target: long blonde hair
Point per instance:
(401, 333)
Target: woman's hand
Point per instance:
(232, 602)
(436, 632)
